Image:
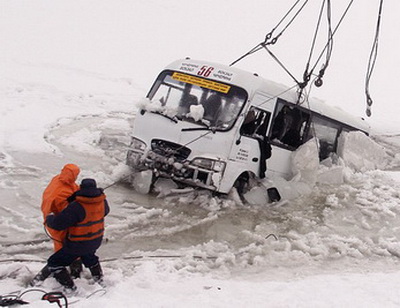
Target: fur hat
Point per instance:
(86, 183)
(88, 188)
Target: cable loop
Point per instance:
(372, 59)
(267, 37)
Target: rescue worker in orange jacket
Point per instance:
(84, 220)
(54, 200)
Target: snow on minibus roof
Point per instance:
(253, 83)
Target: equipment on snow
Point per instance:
(51, 297)
(54, 297)
(6, 301)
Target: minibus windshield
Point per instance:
(198, 100)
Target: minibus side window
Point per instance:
(327, 132)
(289, 126)
(255, 126)
(255, 123)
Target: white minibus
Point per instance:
(214, 126)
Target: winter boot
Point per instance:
(40, 277)
(63, 277)
(97, 273)
(75, 268)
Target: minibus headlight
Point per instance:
(203, 163)
(209, 164)
(137, 144)
(219, 166)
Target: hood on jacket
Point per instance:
(69, 173)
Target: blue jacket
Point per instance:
(73, 214)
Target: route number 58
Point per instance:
(205, 71)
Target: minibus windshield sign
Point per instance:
(204, 83)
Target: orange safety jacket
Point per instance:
(55, 199)
(92, 226)
(59, 189)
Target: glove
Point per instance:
(71, 198)
(49, 219)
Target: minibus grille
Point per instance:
(170, 149)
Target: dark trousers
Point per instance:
(61, 258)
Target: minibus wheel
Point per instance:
(242, 184)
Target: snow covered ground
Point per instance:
(69, 81)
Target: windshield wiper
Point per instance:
(173, 119)
(205, 127)
(213, 129)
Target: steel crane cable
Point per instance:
(372, 60)
(307, 74)
(329, 44)
(268, 40)
(327, 48)
(281, 64)
(275, 39)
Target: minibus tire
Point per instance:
(242, 184)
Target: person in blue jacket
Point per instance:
(83, 218)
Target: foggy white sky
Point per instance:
(151, 34)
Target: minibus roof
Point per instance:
(253, 83)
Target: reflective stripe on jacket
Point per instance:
(92, 226)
